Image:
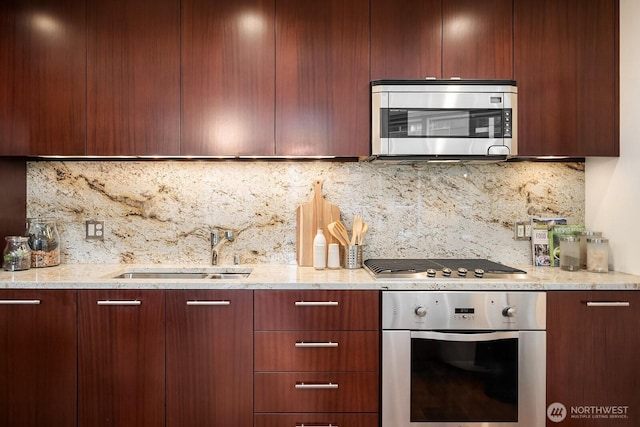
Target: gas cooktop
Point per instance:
(441, 269)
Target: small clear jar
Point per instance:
(44, 242)
(583, 245)
(569, 253)
(598, 254)
(17, 254)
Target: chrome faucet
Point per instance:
(216, 243)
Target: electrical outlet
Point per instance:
(522, 230)
(94, 230)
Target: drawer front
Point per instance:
(316, 310)
(316, 420)
(316, 392)
(317, 351)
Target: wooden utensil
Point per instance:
(363, 231)
(357, 228)
(338, 230)
(309, 216)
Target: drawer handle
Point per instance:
(316, 425)
(20, 301)
(208, 302)
(327, 386)
(316, 303)
(608, 304)
(302, 344)
(119, 302)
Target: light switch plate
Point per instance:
(94, 230)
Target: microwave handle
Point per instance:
(470, 337)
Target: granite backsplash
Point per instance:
(163, 211)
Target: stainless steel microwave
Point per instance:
(444, 119)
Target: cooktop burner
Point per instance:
(440, 268)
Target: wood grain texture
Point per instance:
(121, 361)
(13, 193)
(322, 78)
(566, 65)
(316, 419)
(38, 359)
(406, 41)
(43, 72)
(228, 78)
(309, 216)
(209, 359)
(356, 392)
(354, 351)
(356, 310)
(477, 39)
(592, 353)
(133, 77)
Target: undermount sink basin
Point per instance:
(220, 275)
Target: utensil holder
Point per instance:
(352, 256)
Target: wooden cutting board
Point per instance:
(308, 216)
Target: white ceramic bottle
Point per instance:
(319, 250)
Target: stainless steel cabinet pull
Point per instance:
(608, 304)
(328, 386)
(119, 302)
(316, 303)
(316, 425)
(20, 301)
(208, 302)
(302, 344)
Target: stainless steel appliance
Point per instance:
(444, 119)
(441, 269)
(463, 359)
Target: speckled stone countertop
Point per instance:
(271, 276)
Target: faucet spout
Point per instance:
(216, 244)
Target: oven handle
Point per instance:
(444, 336)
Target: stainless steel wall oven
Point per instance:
(463, 359)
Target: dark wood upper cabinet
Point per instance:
(228, 78)
(566, 66)
(477, 39)
(322, 78)
(42, 73)
(406, 40)
(592, 353)
(441, 39)
(133, 82)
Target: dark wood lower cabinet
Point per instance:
(299, 419)
(592, 358)
(37, 358)
(121, 359)
(209, 358)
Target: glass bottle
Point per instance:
(16, 255)
(44, 241)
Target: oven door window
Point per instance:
(438, 123)
(475, 380)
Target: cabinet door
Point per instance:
(209, 358)
(228, 78)
(322, 78)
(477, 39)
(121, 363)
(37, 358)
(406, 39)
(43, 71)
(592, 353)
(133, 82)
(566, 66)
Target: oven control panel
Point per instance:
(427, 310)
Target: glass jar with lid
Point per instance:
(44, 242)
(16, 255)
(583, 245)
(598, 254)
(569, 253)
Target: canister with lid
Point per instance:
(569, 253)
(583, 245)
(598, 254)
(16, 255)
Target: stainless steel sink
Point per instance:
(164, 275)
